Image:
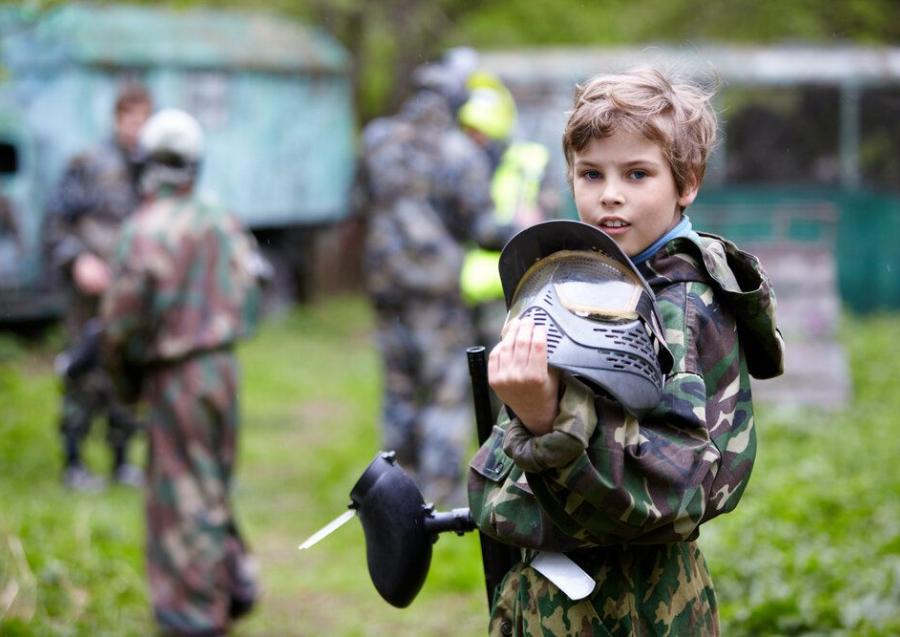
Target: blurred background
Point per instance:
(807, 176)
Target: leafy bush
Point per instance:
(814, 547)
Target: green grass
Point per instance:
(813, 549)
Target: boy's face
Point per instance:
(129, 122)
(624, 186)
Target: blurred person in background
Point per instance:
(521, 192)
(10, 237)
(97, 192)
(183, 291)
(429, 195)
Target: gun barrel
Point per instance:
(496, 557)
(457, 520)
(481, 397)
(84, 355)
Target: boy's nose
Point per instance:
(612, 194)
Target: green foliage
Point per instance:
(605, 22)
(813, 549)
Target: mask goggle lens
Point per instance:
(588, 284)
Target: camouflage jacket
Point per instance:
(409, 253)
(460, 184)
(428, 192)
(601, 478)
(184, 282)
(409, 256)
(96, 193)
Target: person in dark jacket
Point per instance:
(429, 195)
(97, 192)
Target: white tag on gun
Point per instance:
(570, 578)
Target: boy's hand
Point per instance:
(518, 372)
(91, 274)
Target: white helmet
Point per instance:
(172, 132)
(171, 143)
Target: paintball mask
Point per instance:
(601, 318)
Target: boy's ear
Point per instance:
(687, 196)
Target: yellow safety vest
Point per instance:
(516, 182)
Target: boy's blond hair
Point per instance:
(676, 115)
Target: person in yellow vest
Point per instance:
(520, 191)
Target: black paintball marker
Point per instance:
(400, 528)
(84, 355)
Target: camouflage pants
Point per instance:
(195, 556)
(641, 591)
(91, 394)
(426, 415)
(88, 396)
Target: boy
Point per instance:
(627, 508)
(97, 192)
(184, 281)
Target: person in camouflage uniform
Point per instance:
(428, 193)
(521, 190)
(97, 192)
(572, 472)
(183, 292)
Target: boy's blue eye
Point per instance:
(639, 174)
(591, 174)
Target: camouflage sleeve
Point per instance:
(502, 502)
(75, 194)
(475, 207)
(410, 252)
(62, 245)
(252, 271)
(71, 199)
(570, 436)
(124, 309)
(656, 480)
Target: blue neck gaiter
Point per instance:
(682, 229)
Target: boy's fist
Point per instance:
(518, 373)
(91, 274)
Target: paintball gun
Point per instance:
(400, 528)
(84, 355)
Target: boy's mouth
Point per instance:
(613, 226)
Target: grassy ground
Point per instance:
(814, 548)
